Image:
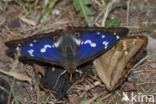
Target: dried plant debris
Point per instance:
(58, 80)
(19, 20)
(4, 91)
(3, 56)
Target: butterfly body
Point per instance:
(70, 47)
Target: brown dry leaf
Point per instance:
(75, 99)
(129, 86)
(39, 69)
(3, 56)
(17, 76)
(2, 20)
(28, 21)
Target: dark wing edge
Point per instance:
(40, 60)
(121, 31)
(117, 30)
(14, 43)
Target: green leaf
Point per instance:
(46, 101)
(14, 97)
(76, 5)
(48, 9)
(98, 101)
(83, 101)
(88, 12)
(113, 22)
(86, 2)
(35, 3)
(82, 7)
(26, 4)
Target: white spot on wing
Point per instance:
(105, 43)
(31, 52)
(103, 36)
(93, 45)
(31, 45)
(98, 33)
(87, 41)
(77, 41)
(45, 48)
(117, 37)
(34, 41)
(90, 42)
(82, 42)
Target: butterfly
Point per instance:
(114, 65)
(70, 47)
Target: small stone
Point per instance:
(15, 23)
(153, 65)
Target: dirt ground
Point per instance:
(18, 22)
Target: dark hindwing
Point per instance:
(114, 66)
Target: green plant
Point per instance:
(113, 22)
(98, 101)
(82, 7)
(46, 101)
(27, 4)
(47, 10)
(83, 101)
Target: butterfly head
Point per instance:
(70, 68)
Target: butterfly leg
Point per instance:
(59, 78)
(79, 71)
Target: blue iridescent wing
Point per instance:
(96, 41)
(73, 47)
(42, 47)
